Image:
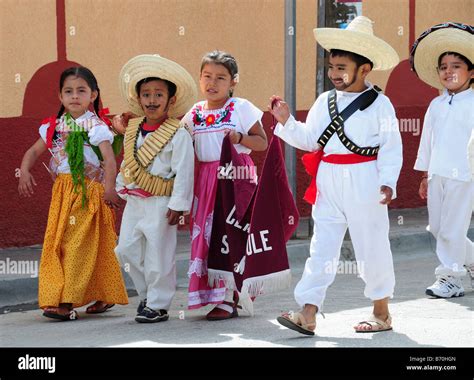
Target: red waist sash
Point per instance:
(311, 163)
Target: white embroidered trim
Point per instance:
(198, 267)
(206, 296)
(215, 277)
(208, 228)
(196, 232)
(265, 284)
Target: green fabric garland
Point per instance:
(75, 153)
(75, 156)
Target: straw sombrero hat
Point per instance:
(152, 65)
(359, 38)
(439, 39)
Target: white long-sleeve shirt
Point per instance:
(376, 125)
(447, 137)
(175, 160)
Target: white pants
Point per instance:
(349, 196)
(450, 211)
(147, 248)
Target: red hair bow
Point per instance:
(103, 116)
(50, 132)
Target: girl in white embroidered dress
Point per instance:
(210, 120)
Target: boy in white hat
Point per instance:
(156, 178)
(354, 132)
(443, 57)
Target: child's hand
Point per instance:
(119, 124)
(388, 194)
(235, 137)
(173, 216)
(112, 199)
(25, 187)
(280, 109)
(423, 191)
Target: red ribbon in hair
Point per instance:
(103, 116)
(50, 132)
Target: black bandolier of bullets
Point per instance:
(337, 126)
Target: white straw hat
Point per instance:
(359, 38)
(152, 65)
(439, 39)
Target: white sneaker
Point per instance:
(446, 287)
(470, 271)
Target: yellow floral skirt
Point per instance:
(78, 264)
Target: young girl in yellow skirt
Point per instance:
(78, 263)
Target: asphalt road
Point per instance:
(418, 321)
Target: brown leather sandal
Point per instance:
(53, 312)
(297, 322)
(375, 324)
(99, 307)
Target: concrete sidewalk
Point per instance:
(407, 234)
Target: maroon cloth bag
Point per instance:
(251, 225)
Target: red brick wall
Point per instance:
(23, 221)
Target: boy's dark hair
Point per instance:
(358, 59)
(221, 58)
(86, 74)
(461, 57)
(171, 86)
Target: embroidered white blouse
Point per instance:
(210, 126)
(97, 131)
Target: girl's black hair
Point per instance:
(171, 86)
(221, 58)
(86, 74)
(461, 57)
(357, 58)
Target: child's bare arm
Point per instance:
(110, 167)
(255, 140)
(26, 183)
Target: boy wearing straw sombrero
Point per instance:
(442, 57)
(356, 160)
(156, 178)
